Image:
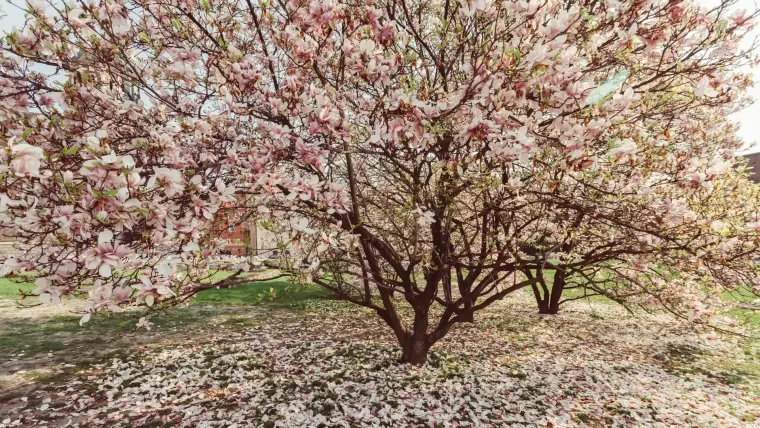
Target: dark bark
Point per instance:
(557, 288)
(417, 345)
(467, 314)
(549, 304)
(415, 350)
(543, 307)
(548, 301)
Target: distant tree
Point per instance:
(410, 153)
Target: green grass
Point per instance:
(276, 292)
(63, 332)
(569, 293)
(9, 288)
(748, 318)
(281, 293)
(741, 294)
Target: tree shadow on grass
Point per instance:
(36, 351)
(43, 345)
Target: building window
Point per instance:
(231, 227)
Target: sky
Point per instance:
(748, 119)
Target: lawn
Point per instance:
(9, 288)
(277, 292)
(282, 293)
(252, 352)
(595, 364)
(747, 318)
(62, 332)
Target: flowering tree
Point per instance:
(713, 227)
(431, 155)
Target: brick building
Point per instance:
(239, 238)
(244, 238)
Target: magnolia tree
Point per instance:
(697, 245)
(423, 159)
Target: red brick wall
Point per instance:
(236, 238)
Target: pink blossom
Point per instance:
(143, 323)
(426, 218)
(26, 159)
(170, 179)
(105, 256)
(703, 89)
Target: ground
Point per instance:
(239, 358)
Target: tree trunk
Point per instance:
(542, 300)
(416, 344)
(548, 308)
(415, 351)
(548, 304)
(558, 286)
(467, 314)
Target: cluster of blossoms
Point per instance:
(433, 148)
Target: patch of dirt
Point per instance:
(13, 309)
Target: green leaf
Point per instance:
(608, 87)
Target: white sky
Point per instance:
(748, 119)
